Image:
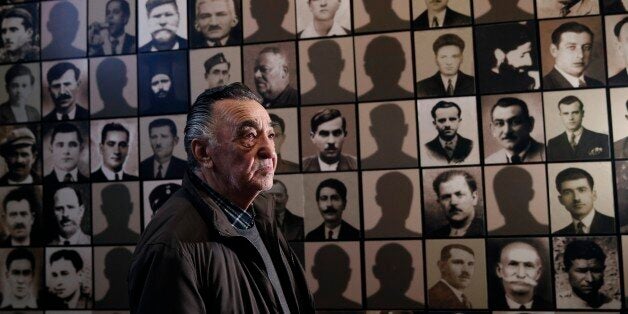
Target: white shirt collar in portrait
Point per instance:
(77, 238)
(440, 17)
(61, 174)
(71, 114)
(335, 232)
(457, 292)
(587, 220)
(335, 30)
(28, 302)
(28, 180)
(514, 305)
(111, 176)
(327, 167)
(573, 80)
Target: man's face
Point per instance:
(436, 5)
(458, 269)
(68, 211)
(457, 200)
(270, 75)
(573, 52)
(279, 138)
(586, 276)
(63, 90)
(511, 127)
(519, 268)
(329, 138)
(160, 84)
(163, 22)
(520, 57)
(19, 219)
(244, 157)
(20, 276)
(572, 115)
(448, 59)
(162, 141)
(280, 195)
(324, 10)
(20, 89)
(20, 161)
(14, 35)
(116, 18)
(65, 280)
(331, 205)
(218, 75)
(446, 122)
(214, 19)
(577, 197)
(66, 151)
(114, 150)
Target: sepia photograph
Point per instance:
(113, 98)
(111, 27)
(323, 18)
(20, 99)
(20, 149)
(65, 90)
(268, 20)
(378, 16)
(215, 23)
(164, 157)
(214, 67)
(495, 11)
(163, 83)
(114, 150)
(21, 219)
(285, 124)
(440, 13)
(162, 25)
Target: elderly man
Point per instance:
(114, 148)
(229, 141)
(216, 24)
(163, 23)
(115, 40)
(457, 195)
(19, 150)
(19, 274)
(19, 83)
(16, 31)
(68, 207)
(456, 266)
(162, 164)
(511, 125)
(323, 23)
(290, 224)
(272, 79)
(328, 130)
(66, 145)
(217, 70)
(331, 198)
(20, 206)
(64, 87)
(519, 269)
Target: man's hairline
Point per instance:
(230, 6)
(560, 38)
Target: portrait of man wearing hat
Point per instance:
(161, 92)
(217, 70)
(19, 150)
(160, 195)
(162, 24)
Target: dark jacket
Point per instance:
(99, 176)
(452, 18)
(183, 43)
(433, 86)
(51, 178)
(440, 296)
(176, 168)
(476, 228)
(538, 303)
(190, 259)
(7, 116)
(347, 162)
(81, 114)
(197, 40)
(347, 232)
(461, 152)
(592, 145)
(129, 45)
(601, 224)
(292, 226)
(620, 78)
(555, 80)
(288, 98)
(621, 148)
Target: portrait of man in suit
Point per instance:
(567, 8)
(66, 147)
(621, 145)
(323, 20)
(621, 35)
(328, 130)
(331, 198)
(163, 19)
(290, 224)
(511, 125)
(20, 274)
(449, 80)
(20, 153)
(279, 126)
(113, 148)
(456, 266)
(571, 48)
(438, 14)
(162, 164)
(585, 263)
(578, 195)
(217, 70)
(448, 147)
(457, 196)
(65, 281)
(68, 205)
(110, 37)
(519, 270)
(19, 82)
(272, 78)
(20, 209)
(507, 58)
(64, 87)
(216, 24)
(577, 142)
(18, 34)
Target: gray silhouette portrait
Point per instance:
(332, 271)
(269, 15)
(384, 61)
(117, 208)
(63, 25)
(388, 129)
(502, 11)
(111, 90)
(513, 191)
(117, 263)
(326, 65)
(394, 193)
(382, 17)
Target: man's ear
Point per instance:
(201, 152)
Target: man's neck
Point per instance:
(323, 27)
(332, 224)
(163, 160)
(522, 298)
(242, 199)
(20, 242)
(16, 104)
(518, 149)
(66, 110)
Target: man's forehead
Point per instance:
(13, 21)
(328, 191)
(575, 38)
(507, 112)
(21, 205)
(575, 183)
(65, 136)
(160, 76)
(460, 254)
(333, 124)
(242, 111)
(116, 135)
(164, 7)
(66, 76)
(446, 112)
(20, 263)
(212, 6)
(519, 252)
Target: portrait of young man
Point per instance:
(112, 35)
(65, 279)
(114, 148)
(328, 132)
(21, 270)
(456, 265)
(66, 89)
(65, 152)
(438, 14)
(216, 23)
(164, 26)
(324, 22)
(22, 104)
(217, 70)
(162, 164)
(64, 23)
(20, 151)
(69, 204)
(331, 199)
(449, 146)
(621, 45)
(20, 216)
(279, 126)
(18, 31)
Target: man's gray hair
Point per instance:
(201, 122)
(230, 6)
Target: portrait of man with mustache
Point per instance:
(331, 198)
(216, 24)
(69, 206)
(449, 147)
(64, 86)
(163, 138)
(328, 130)
(20, 152)
(21, 207)
(163, 19)
(456, 266)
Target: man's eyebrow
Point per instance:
(248, 124)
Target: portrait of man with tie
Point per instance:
(67, 88)
(456, 265)
(66, 154)
(566, 8)
(114, 147)
(438, 13)
(331, 199)
(162, 164)
(115, 34)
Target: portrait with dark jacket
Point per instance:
(439, 14)
(331, 199)
(456, 265)
(621, 43)
(21, 87)
(163, 83)
(20, 151)
(66, 89)
(448, 146)
(111, 35)
(328, 132)
(66, 156)
(577, 142)
(290, 224)
(216, 23)
(164, 21)
(114, 147)
(449, 80)
(162, 164)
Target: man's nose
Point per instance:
(266, 147)
(588, 276)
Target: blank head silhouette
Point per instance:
(388, 127)
(394, 193)
(269, 12)
(377, 7)
(393, 268)
(117, 262)
(384, 60)
(111, 89)
(331, 269)
(326, 62)
(116, 205)
(63, 22)
(513, 188)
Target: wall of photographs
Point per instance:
(472, 152)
